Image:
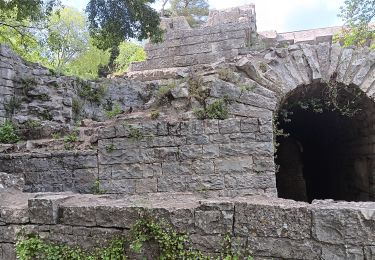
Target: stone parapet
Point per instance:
(265, 227)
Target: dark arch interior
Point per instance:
(327, 154)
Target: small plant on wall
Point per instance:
(169, 245)
(8, 133)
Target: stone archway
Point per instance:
(326, 151)
(330, 153)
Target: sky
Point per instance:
(279, 15)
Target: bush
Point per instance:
(117, 110)
(8, 133)
(216, 110)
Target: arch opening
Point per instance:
(326, 144)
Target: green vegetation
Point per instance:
(155, 114)
(67, 37)
(115, 111)
(228, 75)
(357, 15)
(110, 148)
(8, 133)
(97, 190)
(170, 245)
(163, 95)
(216, 110)
(77, 106)
(112, 22)
(195, 11)
(197, 88)
(59, 38)
(35, 248)
(135, 133)
(12, 106)
(71, 139)
(128, 52)
(87, 92)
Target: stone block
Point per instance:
(251, 180)
(229, 126)
(278, 218)
(149, 185)
(214, 219)
(46, 209)
(344, 222)
(277, 248)
(234, 165)
(116, 216)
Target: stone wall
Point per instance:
(268, 228)
(225, 33)
(226, 157)
(54, 171)
(32, 94)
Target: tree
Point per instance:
(129, 52)
(19, 20)
(87, 64)
(195, 11)
(357, 15)
(67, 37)
(112, 22)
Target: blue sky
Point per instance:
(279, 15)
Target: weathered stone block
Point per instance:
(45, 210)
(285, 219)
(344, 222)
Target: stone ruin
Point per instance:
(207, 177)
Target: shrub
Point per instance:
(216, 110)
(155, 114)
(8, 133)
(117, 110)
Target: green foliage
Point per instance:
(197, 88)
(216, 110)
(32, 124)
(70, 140)
(228, 75)
(155, 114)
(163, 95)
(246, 88)
(34, 248)
(18, 21)
(170, 244)
(110, 148)
(89, 93)
(8, 133)
(56, 135)
(86, 65)
(357, 15)
(195, 11)
(230, 252)
(12, 105)
(77, 106)
(115, 111)
(67, 37)
(128, 52)
(112, 22)
(135, 133)
(96, 189)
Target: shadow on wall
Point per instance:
(326, 151)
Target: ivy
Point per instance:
(170, 245)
